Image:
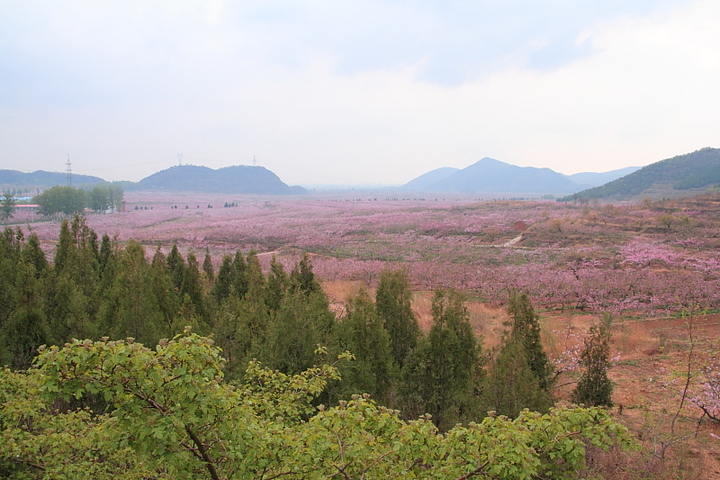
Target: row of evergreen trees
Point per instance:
(94, 289)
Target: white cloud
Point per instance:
(355, 92)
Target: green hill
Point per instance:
(678, 176)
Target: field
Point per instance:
(652, 266)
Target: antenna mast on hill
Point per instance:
(254, 162)
(180, 159)
(68, 172)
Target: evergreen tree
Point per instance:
(64, 248)
(302, 277)
(26, 327)
(277, 284)
(239, 285)
(442, 375)
(176, 265)
(302, 323)
(223, 284)
(512, 386)
(394, 306)
(129, 307)
(525, 328)
(521, 374)
(208, 267)
(362, 333)
(32, 253)
(594, 387)
(256, 282)
(192, 285)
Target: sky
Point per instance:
(355, 92)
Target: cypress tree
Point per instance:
(442, 374)
(594, 387)
(525, 328)
(223, 284)
(393, 300)
(362, 333)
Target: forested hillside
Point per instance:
(671, 177)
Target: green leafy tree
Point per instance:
(104, 197)
(66, 200)
(594, 387)
(7, 207)
(393, 300)
(174, 417)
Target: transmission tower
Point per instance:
(68, 172)
(180, 159)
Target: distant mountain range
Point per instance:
(493, 176)
(682, 175)
(237, 179)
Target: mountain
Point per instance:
(426, 180)
(41, 178)
(592, 179)
(682, 175)
(237, 179)
(493, 176)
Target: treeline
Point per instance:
(96, 289)
(69, 200)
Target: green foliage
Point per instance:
(104, 197)
(512, 386)
(520, 376)
(362, 333)
(393, 300)
(525, 328)
(67, 200)
(442, 374)
(174, 417)
(594, 387)
(7, 206)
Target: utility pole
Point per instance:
(68, 172)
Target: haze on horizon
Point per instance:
(355, 92)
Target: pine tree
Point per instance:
(594, 387)
(393, 300)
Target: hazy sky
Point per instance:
(355, 91)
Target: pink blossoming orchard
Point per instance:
(652, 268)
